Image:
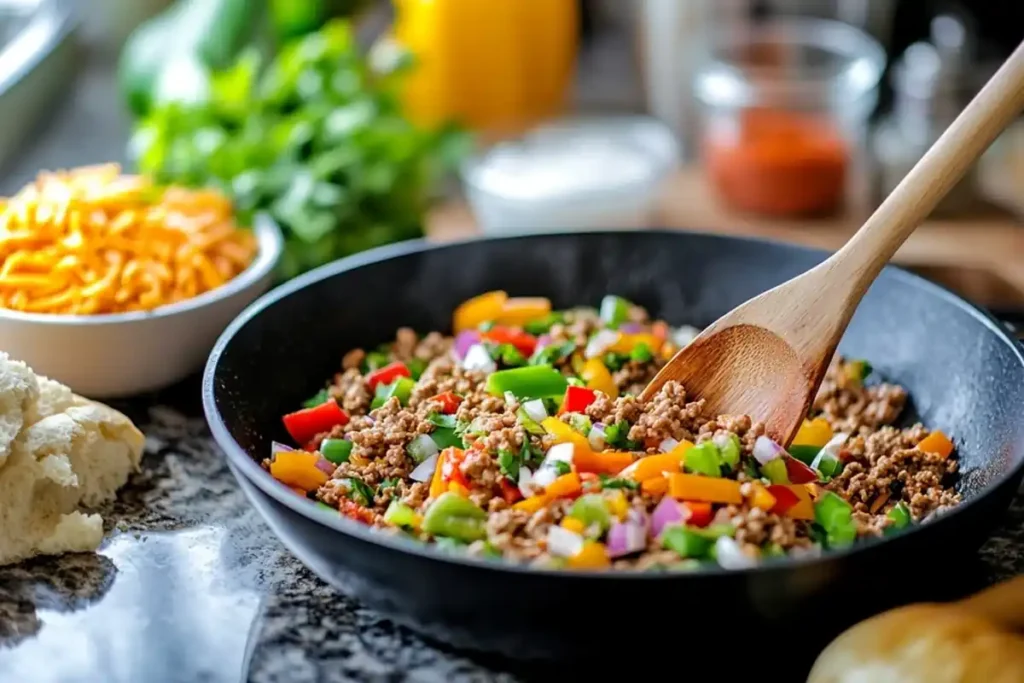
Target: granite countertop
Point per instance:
(190, 585)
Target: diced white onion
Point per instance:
(667, 445)
(526, 483)
(548, 472)
(766, 450)
(510, 398)
(600, 342)
(477, 358)
(731, 556)
(425, 470)
(596, 437)
(830, 450)
(422, 447)
(683, 335)
(536, 410)
(563, 543)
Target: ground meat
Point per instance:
(755, 527)
(633, 377)
(350, 390)
(507, 532)
(668, 415)
(852, 407)
(483, 473)
(443, 375)
(740, 425)
(353, 359)
(886, 467)
(608, 411)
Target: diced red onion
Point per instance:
(625, 538)
(543, 341)
(600, 343)
(766, 450)
(631, 328)
(325, 465)
(667, 445)
(278, 447)
(536, 410)
(669, 511)
(525, 483)
(731, 556)
(464, 341)
(684, 334)
(596, 436)
(477, 358)
(563, 543)
(425, 470)
(422, 447)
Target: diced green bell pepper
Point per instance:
(693, 542)
(445, 437)
(775, 470)
(399, 514)
(805, 454)
(835, 516)
(336, 450)
(899, 518)
(704, 459)
(641, 353)
(401, 388)
(543, 325)
(453, 516)
(729, 451)
(614, 310)
(590, 509)
(829, 467)
(319, 398)
(529, 424)
(535, 381)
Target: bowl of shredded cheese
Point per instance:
(114, 285)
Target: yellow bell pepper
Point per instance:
(762, 498)
(574, 525)
(437, 483)
(498, 66)
(565, 486)
(617, 503)
(597, 377)
(563, 433)
(594, 555)
(816, 432)
(518, 311)
(628, 342)
(458, 489)
(480, 309)
(532, 504)
(707, 489)
(297, 469)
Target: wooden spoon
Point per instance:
(766, 358)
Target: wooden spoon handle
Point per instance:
(966, 139)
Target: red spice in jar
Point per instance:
(778, 163)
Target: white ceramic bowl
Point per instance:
(121, 354)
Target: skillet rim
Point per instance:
(242, 465)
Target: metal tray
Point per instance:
(37, 61)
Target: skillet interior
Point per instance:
(964, 374)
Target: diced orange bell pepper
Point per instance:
(480, 309)
(437, 483)
(566, 486)
(628, 342)
(299, 491)
(563, 433)
(594, 555)
(532, 504)
(816, 432)
(458, 489)
(297, 469)
(762, 498)
(653, 466)
(706, 489)
(936, 443)
(606, 462)
(520, 310)
(597, 377)
(574, 525)
(655, 487)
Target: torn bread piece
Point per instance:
(67, 452)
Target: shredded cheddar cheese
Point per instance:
(93, 241)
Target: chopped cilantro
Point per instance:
(615, 361)
(359, 491)
(375, 360)
(641, 353)
(387, 484)
(562, 467)
(617, 436)
(552, 354)
(581, 423)
(506, 354)
(442, 420)
(610, 482)
(509, 464)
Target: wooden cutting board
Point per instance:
(980, 257)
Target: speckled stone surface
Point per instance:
(190, 586)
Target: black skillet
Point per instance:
(965, 375)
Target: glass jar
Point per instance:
(784, 110)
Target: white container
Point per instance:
(581, 174)
(120, 354)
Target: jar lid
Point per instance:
(576, 158)
(791, 62)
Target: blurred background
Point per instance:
(361, 122)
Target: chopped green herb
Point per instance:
(387, 484)
(550, 406)
(610, 482)
(552, 354)
(617, 435)
(509, 463)
(750, 467)
(507, 355)
(375, 360)
(615, 361)
(358, 491)
(562, 467)
(442, 420)
(416, 367)
(318, 399)
(529, 454)
(581, 423)
(543, 325)
(641, 353)
(446, 437)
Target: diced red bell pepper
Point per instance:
(451, 470)
(304, 424)
(798, 472)
(387, 374)
(785, 499)
(449, 402)
(523, 341)
(700, 513)
(510, 492)
(577, 399)
(357, 512)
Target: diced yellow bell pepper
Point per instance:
(563, 433)
(437, 483)
(617, 503)
(762, 498)
(816, 432)
(805, 508)
(594, 555)
(297, 469)
(518, 311)
(669, 350)
(627, 342)
(480, 309)
(565, 486)
(458, 489)
(597, 377)
(532, 504)
(574, 525)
